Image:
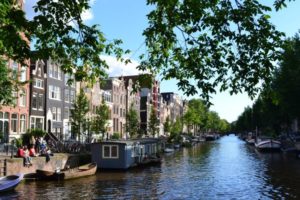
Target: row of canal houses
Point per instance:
(46, 100)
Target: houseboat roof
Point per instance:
(132, 141)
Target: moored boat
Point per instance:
(210, 137)
(267, 144)
(8, 183)
(65, 174)
(168, 150)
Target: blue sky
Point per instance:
(126, 20)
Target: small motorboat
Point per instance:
(267, 144)
(8, 183)
(169, 150)
(65, 174)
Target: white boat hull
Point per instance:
(268, 145)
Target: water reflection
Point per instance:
(225, 169)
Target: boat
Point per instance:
(168, 150)
(65, 174)
(210, 137)
(267, 144)
(176, 146)
(8, 183)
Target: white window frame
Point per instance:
(110, 152)
(22, 98)
(54, 116)
(23, 126)
(58, 114)
(38, 83)
(54, 92)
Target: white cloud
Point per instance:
(117, 68)
(87, 15)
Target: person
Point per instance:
(27, 160)
(37, 144)
(32, 152)
(20, 152)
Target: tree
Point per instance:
(132, 122)
(176, 127)
(186, 40)
(189, 118)
(213, 121)
(153, 122)
(57, 31)
(199, 110)
(167, 125)
(99, 122)
(7, 85)
(225, 44)
(78, 114)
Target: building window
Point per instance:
(23, 74)
(15, 97)
(22, 123)
(23, 96)
(110, 151)
(66, 114)
(54, 71)
(41, 101)
(38, 83)
(54, 92)
(54, 113)
(34, 101)
(72, 96)
(58, 112)
(36, 122)
(39, 70)
(14, 122)
(14, 70)
(67, 95)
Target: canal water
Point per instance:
(223, 169)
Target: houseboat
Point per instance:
(124, 154)
(267, 144)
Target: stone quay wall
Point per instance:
(58, 160)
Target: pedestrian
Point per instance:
(37, 144)
(20, 152)
(32, 152)
(27, 159)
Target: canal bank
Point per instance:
(58, 160)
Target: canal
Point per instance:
(224, 169)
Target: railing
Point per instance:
(3, 167)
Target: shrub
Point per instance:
(115, 136)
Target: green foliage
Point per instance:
(196, 113)
(278, 104)
(132, 122)
(115, 136)
(18, 142)
(58, 32)
(167, 125)
(36, 132)
(78, 114)
(99, 122)
(7, 84)
(153, 122)
(231, 45)
(176, 127)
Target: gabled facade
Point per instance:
(118, 92)
(14, 119)
(60, 98)
(37, 95)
